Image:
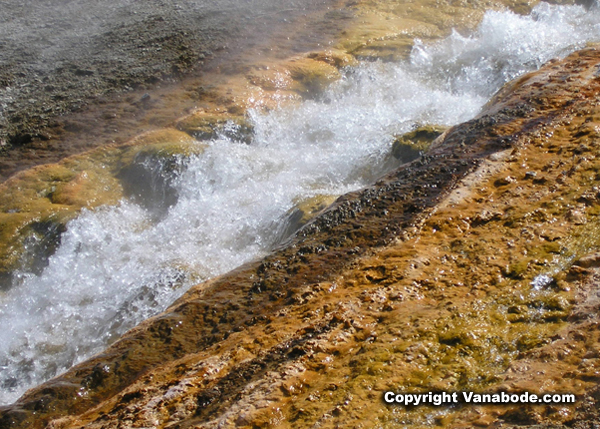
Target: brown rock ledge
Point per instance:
(421, 282)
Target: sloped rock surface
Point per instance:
(453, 273)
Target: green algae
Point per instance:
(311, 77)
(408, 147)
(38, 203)
(387, 30)
(306, 209)
(205, 126)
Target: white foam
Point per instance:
(117, 265)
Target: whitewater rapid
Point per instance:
(117, 266)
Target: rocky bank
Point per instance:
(77, 74)
(465, 269)
(100, 121)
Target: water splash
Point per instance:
(541, 281)
(505, 46)
(119, 265)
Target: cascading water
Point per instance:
(119, 265)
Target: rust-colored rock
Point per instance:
(441, 276)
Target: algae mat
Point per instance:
(36, 206)
(462, 270)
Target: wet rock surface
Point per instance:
(456, 272)
(123, 97)
(413, 144)
(38, 203)
(76, 74)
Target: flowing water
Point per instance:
(116, 266)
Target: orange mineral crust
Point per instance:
(471, 268)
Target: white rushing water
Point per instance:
(119, 265)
